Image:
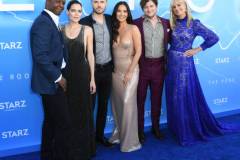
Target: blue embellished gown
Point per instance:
(189, 116)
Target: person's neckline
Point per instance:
(73, 38)
(182, 19)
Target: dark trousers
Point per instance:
(152, 75)
(103, 78)
(56, 129)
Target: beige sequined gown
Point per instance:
(124, 98)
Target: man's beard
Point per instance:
(96, 12)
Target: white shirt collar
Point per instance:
(54, 17)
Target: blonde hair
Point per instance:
(173, 18)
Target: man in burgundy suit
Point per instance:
(154, 32)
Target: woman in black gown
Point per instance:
(80, 80)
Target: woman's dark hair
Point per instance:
(69, 5)
(115, 22)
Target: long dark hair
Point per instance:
(115, 22)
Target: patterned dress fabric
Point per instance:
(189, 116)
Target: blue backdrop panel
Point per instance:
(21, 110)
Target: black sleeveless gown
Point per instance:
(79, 97)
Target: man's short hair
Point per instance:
(143, 2)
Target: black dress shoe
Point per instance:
(104, 141)
(141, 137)
(158, 134)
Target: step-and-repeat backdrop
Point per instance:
(21, 110)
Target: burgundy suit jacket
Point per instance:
(166, 28)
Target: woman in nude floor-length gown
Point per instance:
(126, 53)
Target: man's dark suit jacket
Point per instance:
(47, 48)
(166, 28)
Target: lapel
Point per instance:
(165, 30)
(65, 55)
(108, 23)
(51, 20)
(141, 27)
(108, 20)
(139, 23)
(53, 25)
(91, 21)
